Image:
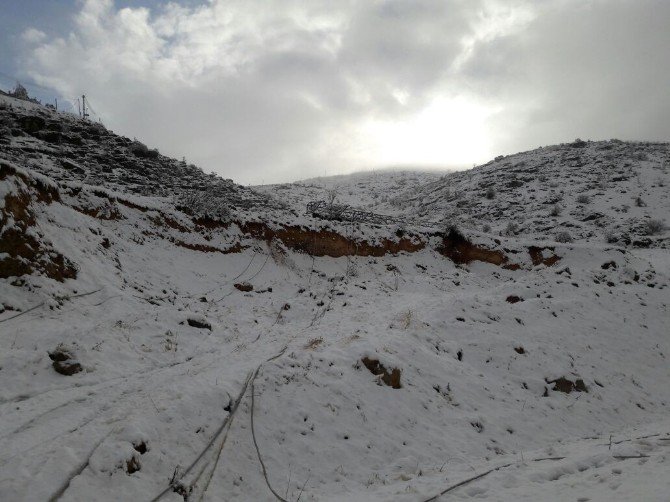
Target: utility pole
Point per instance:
(78, 107)
(56, 99)
(83, 105)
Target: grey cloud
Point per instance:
(277, 90)
(593, 69)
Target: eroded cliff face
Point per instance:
(27, 252)
(23, 249)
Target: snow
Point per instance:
(475, 370)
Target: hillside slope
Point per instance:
(154, 347)
(603, 191)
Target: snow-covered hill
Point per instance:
(156, 345)
(604, 191)
(364, 190)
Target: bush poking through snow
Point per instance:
(583, 199)
(653, 227)
(352, 269)
(206, 205)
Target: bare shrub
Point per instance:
(583, 199)
(490, 193)
(556, 210)
(202, 204)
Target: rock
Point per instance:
(392, 378)
(199, 323)
(244, 286)
(67, 368)
(566, 386)
(133, 465)
(64, 361)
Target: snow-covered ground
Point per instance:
(537, 382)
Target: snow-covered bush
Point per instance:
(511, 229)
(583, 199)
(611, 237)
(563, 236)
(204, 204)
(556, 210)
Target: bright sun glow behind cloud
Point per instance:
(448, 132)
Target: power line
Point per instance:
(66, 104)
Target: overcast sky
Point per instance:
(278, 90)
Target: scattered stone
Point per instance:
(64, 361)
(141, 447)
(133, 465)
(199, 323)
(391, 379)
(566, 386)
(244, 286)
(513, 299)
